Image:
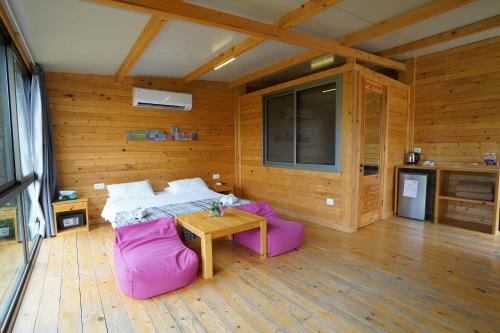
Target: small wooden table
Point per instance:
(208, 228)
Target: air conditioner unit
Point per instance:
(159, 99)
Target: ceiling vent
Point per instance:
(159, 99)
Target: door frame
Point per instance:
(366, 85)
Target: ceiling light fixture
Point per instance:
(328, 90)
(323, 61)
(219, 66)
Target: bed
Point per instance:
(159, 205)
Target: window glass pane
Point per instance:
(12, 260)
(23, 119)
(6, 150)
(280, 123)
(316, 125)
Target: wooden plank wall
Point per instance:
(397, 134)
(457, 103)
(299, 193)
(92, 113)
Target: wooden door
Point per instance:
(373, 100)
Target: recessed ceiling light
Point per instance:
(323, 61)
(219, 66)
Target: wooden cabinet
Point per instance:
(474, 214)
(61, 207)
(451, 209)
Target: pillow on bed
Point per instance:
(130, 190)
(187, 186)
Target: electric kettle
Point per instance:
(412, 158)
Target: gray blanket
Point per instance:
(171, 210)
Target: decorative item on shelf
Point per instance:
(490, 159)
(161, 135)
(148, 135)
(217, 209)
(67, 195)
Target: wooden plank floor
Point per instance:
(395, 276)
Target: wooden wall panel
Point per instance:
(298, 193)
(457, 103)
(397, 136)
(92, 113)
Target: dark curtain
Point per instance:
(48, 179)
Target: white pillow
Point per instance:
(187, 186)
(130, 190)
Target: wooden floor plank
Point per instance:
(93, 320)
(70, 313)
(117, 319)
(47, 319)
(28, 311)
(394, 276)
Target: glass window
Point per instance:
(12, 260)
(6, 146)
(23, 118)
(18, 225)
(280, 123)
(302, 126)
(316, 125)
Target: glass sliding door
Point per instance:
(12, 251)
(6, 142)
(19, 225)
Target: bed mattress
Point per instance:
(163, 205)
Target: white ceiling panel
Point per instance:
(80, 37)
(380, 10)
(264, 55)
(333, 23)
(180, 47)
(473, 12)
(451, 44)
(266, 11)
(76, 36)
(476, 11)
(352, 15)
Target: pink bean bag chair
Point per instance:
(150, 259)
(282, 236)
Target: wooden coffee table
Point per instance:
(208, 228)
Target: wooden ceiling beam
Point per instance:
(218, 19)
(296, 16)
(411, 17)
(298, 59)
(483, 25)
(152, 28)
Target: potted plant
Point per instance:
(217, 209)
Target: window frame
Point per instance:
(337, 79)
(18, 185)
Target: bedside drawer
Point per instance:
(69, 207)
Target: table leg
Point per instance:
(206, 256)
(263, 238)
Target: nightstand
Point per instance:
(67, 207)
(223, 189)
